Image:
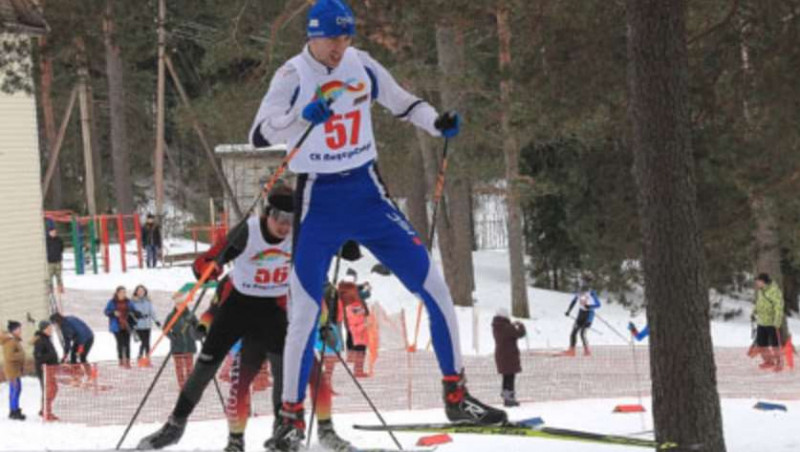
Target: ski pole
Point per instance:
(315, 394)
(437, 196)
(157, 376)
(367, 398)
(611, 327)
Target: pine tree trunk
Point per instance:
(101, 194)
(765, 236)
(453, 224)
(686, 407)
(46, 73)
(120, 162)
(519, 290)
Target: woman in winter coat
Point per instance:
(182, 341)
(146, 316)
(44, 354)
(506, 353)
(121, 318)
(13, 363)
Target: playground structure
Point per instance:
(91, 235)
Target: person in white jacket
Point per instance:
(330, 87)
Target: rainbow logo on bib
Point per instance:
(336, 88)
(271, 254)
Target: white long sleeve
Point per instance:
(403, 105)
(278, 120)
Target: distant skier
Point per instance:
(639, 335)
(506, 353)
(345, 199)
(587, 301)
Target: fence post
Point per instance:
(121, 234)
(77, 247)
(137, 232)
(93, 243)
(410, 379)
(104, 238)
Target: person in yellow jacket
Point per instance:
(769, 317)
(13, 363)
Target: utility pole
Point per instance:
(159, 154)
(86, 127)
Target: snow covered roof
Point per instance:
(248, 150)
(21, 16)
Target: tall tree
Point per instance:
(454, 222)
(120, 163)
(519, 289)
(686, 407)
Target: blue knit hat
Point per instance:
(330, 18)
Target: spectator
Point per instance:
(355, 321)
(55, 255)
(121, 319)
(588, 303)
(769, 317)
(44, 354)
(182, 340)
(146, 317)
(151, 237)
(506, 353)
(13, 363)
(78, 340)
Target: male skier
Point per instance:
(331, 86)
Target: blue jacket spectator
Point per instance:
(78, 337)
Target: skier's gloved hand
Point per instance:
(317, 112)
(448, 123)
(631, 327)
(328, 335)
(566, 314)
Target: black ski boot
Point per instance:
(329, 439)
(290, 432)
(235, 443)
(462, 408)
(167, 435)
(17, 415)
(509, 399)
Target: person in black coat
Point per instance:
(151, 238)
(44, 354)
(506, 353)
(55, 254)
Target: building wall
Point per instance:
(22, 249)
(247, 170)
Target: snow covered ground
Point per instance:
(746, 428)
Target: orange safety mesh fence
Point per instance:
(108, 394)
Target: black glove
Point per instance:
(566, 314)
(201, 330)
(328, 335)
(448, 123)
